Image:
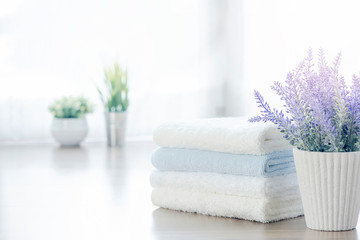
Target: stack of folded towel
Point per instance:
(225, 167)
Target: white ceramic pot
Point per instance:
(115, 128)
(330, 189)
(69, 131)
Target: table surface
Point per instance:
(96, 192)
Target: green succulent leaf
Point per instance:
(115, 95)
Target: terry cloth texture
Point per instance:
(192, 160)
(227, 184)
(255, 209)
(231, 135)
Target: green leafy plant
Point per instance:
(71, 107)
(115, 95)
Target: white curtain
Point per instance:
(53, 48)
(186, 59)
(252, 43)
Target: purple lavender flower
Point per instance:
(321, 113)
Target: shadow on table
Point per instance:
(348, 235)
(169, 224)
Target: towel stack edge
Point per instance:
(225, 167)
(195, 160)
(254, 209)
(227, 184)
(228, 135)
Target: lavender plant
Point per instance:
(321, 113)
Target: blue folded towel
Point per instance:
(192, 160)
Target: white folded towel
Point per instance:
(232, 135)
(256, 187)
(255, 209)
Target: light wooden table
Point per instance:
(95, 192)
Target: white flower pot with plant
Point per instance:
(322, 121)
(69, 126)
(115, 101)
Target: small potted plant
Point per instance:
(115, 100)
(322, 121)
(69, 126)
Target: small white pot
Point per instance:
(69, 131)
(330, 189)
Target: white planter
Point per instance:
(69, 131)
(115, 128)
(330, 189)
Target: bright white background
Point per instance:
(186, 59)
(278, 33)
